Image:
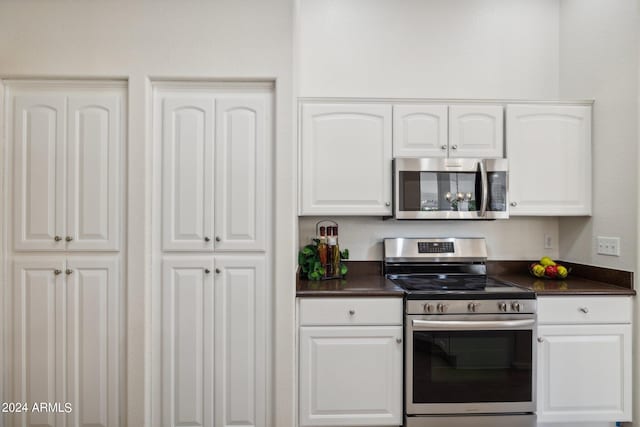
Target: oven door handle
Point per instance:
(467, 325)
(485, 189)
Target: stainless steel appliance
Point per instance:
(455, 188)
(469, 339)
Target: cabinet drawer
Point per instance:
(584, 310)
(350, 311)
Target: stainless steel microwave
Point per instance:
(451, 188)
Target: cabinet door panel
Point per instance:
(242, 135)
(549, 151)
(476, 131)
(38, 338)
(420, 131)
(350, 375)
(346, 159)
(187, 342)
(584, 373)
(39, 145)
(93, 326)
(187, 172)
(241, 338)
(93, 190)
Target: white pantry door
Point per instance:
(187, 173)
(39, 134)
(242, 137)
(94, 172)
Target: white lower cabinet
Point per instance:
(214, 341)
(584, 359)
(351, 374)
(66, 340)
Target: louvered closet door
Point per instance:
(187, 173)
(92, 323)
(188, 342)
(38, 290)
(242, 135)
(94, 171)
(39, 123)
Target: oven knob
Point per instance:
(473, 307)
(428, 308)
(502, 306)
(442, 308)
(515, 306)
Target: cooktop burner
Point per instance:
(458, 287)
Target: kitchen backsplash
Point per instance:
(515, 238)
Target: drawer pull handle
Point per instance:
(585, 310)
(352, 312)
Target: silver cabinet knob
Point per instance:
(387, 204)
(57, 238)
(57, 271)
(455, 147)
(218, 271)
(444, 147)
(514, 204)
(207, 239)
(218, 238)
(540, 339)
(68, 238)
(585, 310)
(398, 340)
(207, 271)
(68, 271)
(352, 312)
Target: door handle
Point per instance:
(471, 324)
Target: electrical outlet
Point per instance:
(608, 246)
(548, 241)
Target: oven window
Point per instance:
(478, 366)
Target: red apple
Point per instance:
(551, 271)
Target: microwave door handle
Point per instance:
(470, 325)
(485, 188)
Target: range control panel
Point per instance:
(471, 306)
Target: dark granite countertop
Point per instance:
(365, 279)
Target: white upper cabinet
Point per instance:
(345, 159)
(420, 130)
(476, 131)
(187, 173)
(67, 169)
(214, 179)
(549, 152)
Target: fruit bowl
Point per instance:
(549, 269)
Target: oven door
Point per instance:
(466, 364)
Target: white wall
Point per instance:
(517, 238)
(599, 60)
(429, 48)
(137, 39)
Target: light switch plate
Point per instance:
(608, 246)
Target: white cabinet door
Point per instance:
(346, 157)
(584, 373)
(242, 330)
(350, 375)
(476, 131)
(242, 137)
(39, 135)
(420, 130)
(92, 336)
(188, 342)
(38, 342)
(549, 152)
(94, 173)
(187, 173)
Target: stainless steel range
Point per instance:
(470, 340)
